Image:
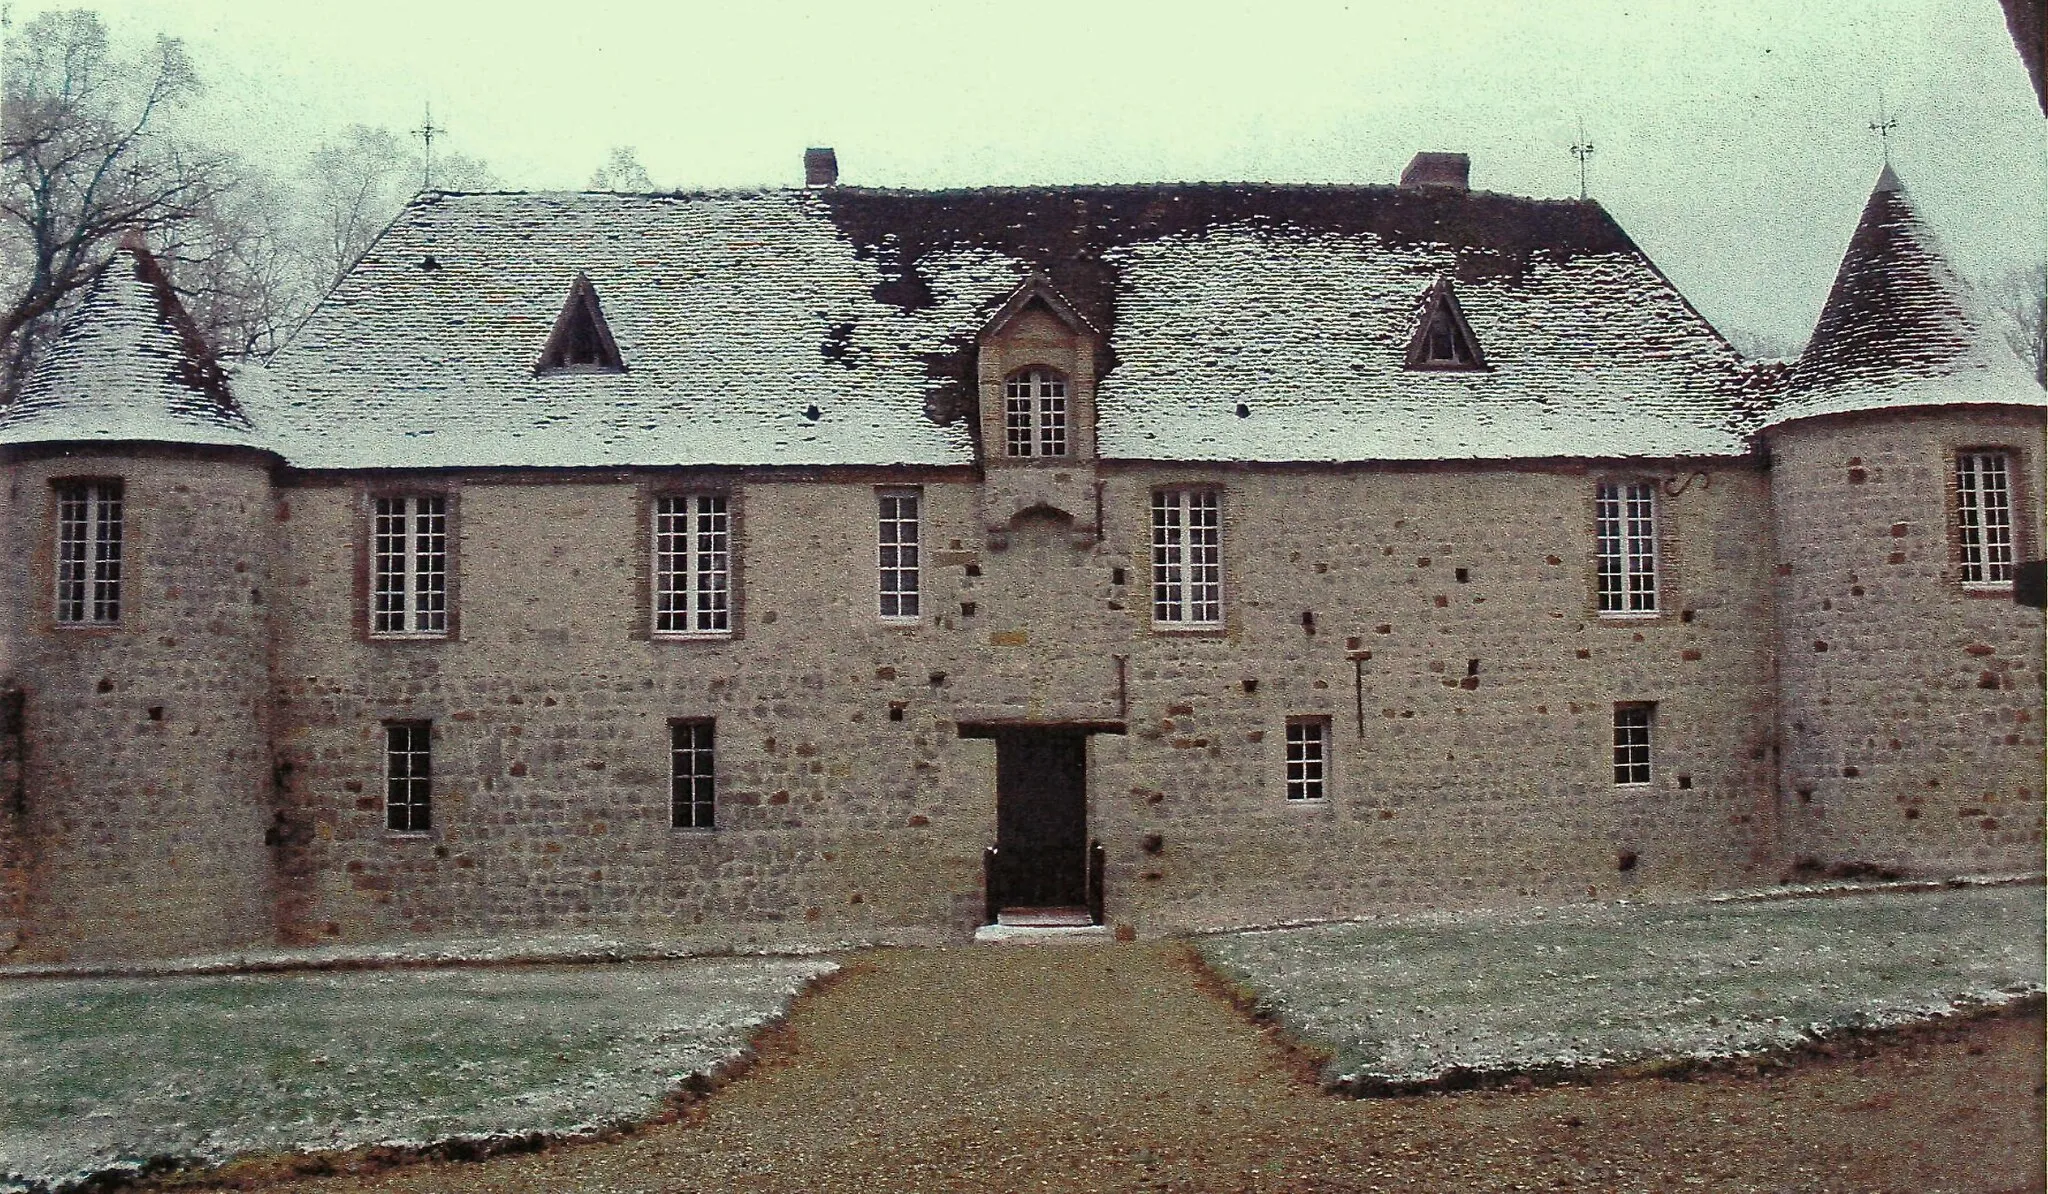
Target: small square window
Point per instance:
(1308, 743)
(408, 776)
(692, 799)
(1632, 726)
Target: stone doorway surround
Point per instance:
(1043, 870)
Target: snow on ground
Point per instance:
(1401, 1002)
(100, 1074)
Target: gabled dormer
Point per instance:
(1442, 339)
(582, 340)
(1036, 376)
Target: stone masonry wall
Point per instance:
(1910, 708)
(146, 776)
(849, 805)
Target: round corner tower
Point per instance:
(1906, 480)
(137, 520)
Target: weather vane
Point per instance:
(1582, 149)
(1883, 126)
(426, 133)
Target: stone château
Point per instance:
(833, 563)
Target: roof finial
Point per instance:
(1883, 126)
(1582, 149)
(426, 133)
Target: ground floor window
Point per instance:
(1308, 740)
(408, 776)
(1632, 723)
(692, 804)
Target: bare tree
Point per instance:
(239, 267)
(1761, 346)
(461, 172)
(622, 171)
(357, 182)
(354, 184)
(85, 159)
(2021, 303)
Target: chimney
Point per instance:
(1438, 172)
(821, 167)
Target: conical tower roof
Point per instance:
(128, 366)
(1900, 328)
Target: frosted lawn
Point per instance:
(1407, 1001)
(99, 1074)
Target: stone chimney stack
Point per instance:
(821, 167)
(1438, 172)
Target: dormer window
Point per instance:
(1443, 340)
(1035, 413)
(582, 341)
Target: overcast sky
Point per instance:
(1730, 136)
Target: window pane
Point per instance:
(1017, 421)
(409, 561)
(1169, 598)
(106, 581)
(88, 573)
(671, 565)
(73, 546)
(692, 802)
(711, 565)
(430, 564)
(1306, 743)
(1632, 744)
(1625, 548)
(1642, 549)
(1984, 518)
(896, 554)
(408, 771)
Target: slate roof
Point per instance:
(837, 325)
(128, 365)
(737, 312)
(1900, 328)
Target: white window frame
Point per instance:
(1985, 536)
(693, 773)
(899, 555)
(1635, 725)
(409, 777)
(1187, 558)
(1625, 549)
(90, 518)
(1035, 414)
(692, 566)
(409, 573)
(1308, 760)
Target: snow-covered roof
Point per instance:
(838, 326)
(738, 317)
(1587, 355)
(128, 366)
(1900, 328)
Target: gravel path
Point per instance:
(1086, 1068)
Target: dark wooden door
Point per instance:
(1041, 819)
